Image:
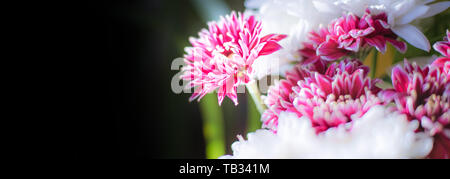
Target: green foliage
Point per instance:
(434, 29)
(253, 122)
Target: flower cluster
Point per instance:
(299, 17)
(326, 105)
(423, 94)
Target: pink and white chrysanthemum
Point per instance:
(348, 34)
(443, 47)
(222, 57)
(327, 99)
(280, 97)
(309, 50)
(423, 94)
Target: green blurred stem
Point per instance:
(213, 123)
(252, 88)
(374, 64)
(253, 116)
(213, 126)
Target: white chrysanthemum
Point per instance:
(295, 18)
(401, 13)
(378, 134)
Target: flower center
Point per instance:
(240, 74)
(228, 53)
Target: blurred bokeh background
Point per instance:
(134, 114)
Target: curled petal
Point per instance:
(400, 46)
(270, 47)
(379, 42)
(329, 51)
(413, 36)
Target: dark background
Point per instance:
(123, 106)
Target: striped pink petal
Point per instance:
(221, 58)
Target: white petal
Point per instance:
(412, 15)
(253, 4)
(323, 7)
(436, 8)
(378, 134)
(399, 8)
(413, 36)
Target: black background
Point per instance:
(121, 98)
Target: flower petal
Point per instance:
(412, 15)
(324, 7)
(400, 46)
(387, 95)
(254, 4)
(413, 36)
(441, 148)
(436, 8)
(379, 42)
(441, 47)
(275, 37)
(329, 51)
(400, 79)
(269, 47)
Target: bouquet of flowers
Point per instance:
(325, 100)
